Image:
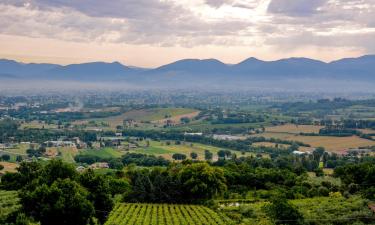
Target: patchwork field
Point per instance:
(163, 214)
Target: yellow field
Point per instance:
(294, 129)
(9, 167)
(334, 144)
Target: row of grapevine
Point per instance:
(9, 202)
(164, 214)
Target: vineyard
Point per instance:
(163, 214)
(9, 203)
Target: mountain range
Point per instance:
(207, 71)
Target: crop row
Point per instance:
(164, 214)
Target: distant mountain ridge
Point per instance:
(206, 70)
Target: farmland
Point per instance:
(333, 144)
(294, 129)
(164, 214)
(135, 161)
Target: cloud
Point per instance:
(280, 24)
(295, 7)
(218, 3)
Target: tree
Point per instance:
(185, 120)
(19, 158)
(201, 181)
(57, 169)
(194, 155)
(179, 156)
(221, 154)
(1, 167)
(99, 193)
(282, 212)
(228, 153)
(317, 153)
(208, 155)
(63, 203)
(5, 157)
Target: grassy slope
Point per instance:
(102, 153)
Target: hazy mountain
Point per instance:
(281, 68)
(354, 68)
(193, 66)
(91, 71)
(12, 67)
(202, 72)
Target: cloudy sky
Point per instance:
(150, 33)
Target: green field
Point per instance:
(102, 153)
(318, 210)
(143, 116)
(162, 149)
(163, 214)
(9, 202)
(17, 150)
(67, 154)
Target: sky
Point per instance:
(150, 33)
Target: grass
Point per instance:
(324, 210)
(102, 153)
(67, 154)
(317, 210)
(9, 202)
(19, 149)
